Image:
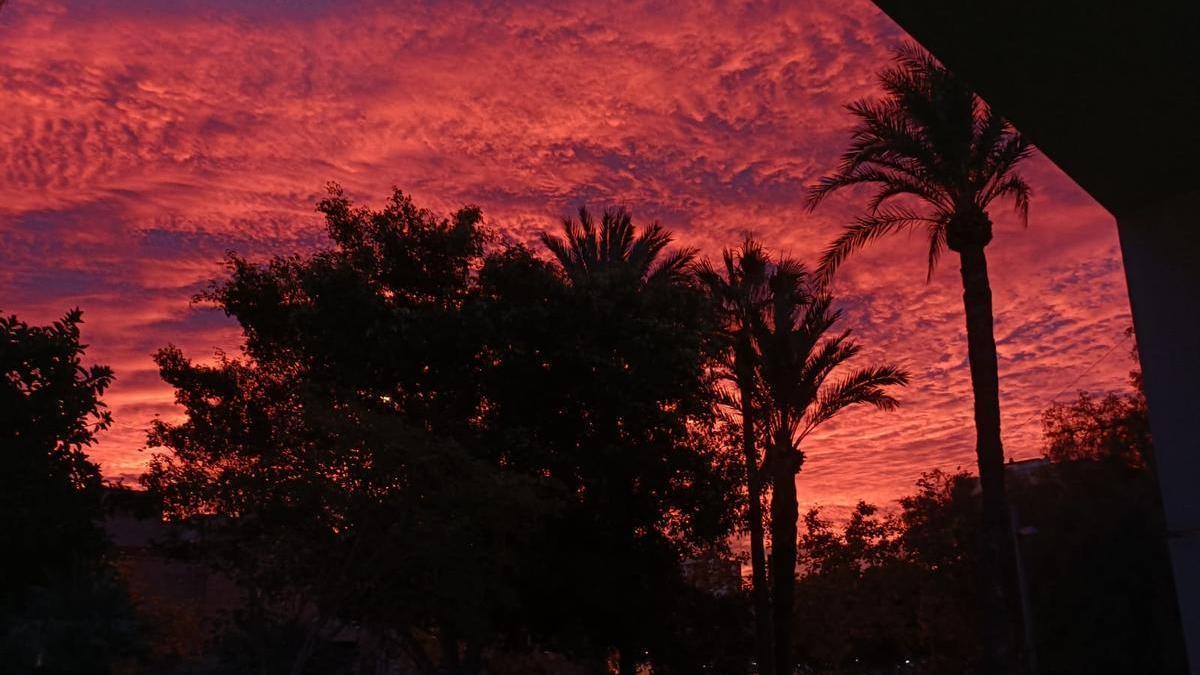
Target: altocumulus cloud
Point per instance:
(143, 139)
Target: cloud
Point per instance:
(141, 140)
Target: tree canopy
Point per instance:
(61, 606)
(456, 446)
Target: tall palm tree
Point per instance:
(614, 247)
(740, 294)
(932, 143)
(610, 262)
(797, 358)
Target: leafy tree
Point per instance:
(1111, 427)
(797, 360)
(61, 606)
(331, 514)
(939, 527)
(337, 470)
(741, 295)
(458, 451)
(893, 588)
(50, 412)
(897, 588)
(1095, 541)
(859, 579)
(938, 157)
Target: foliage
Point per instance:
(740, 294)
(50, 411)
(61, 605)
(453, 449)
(1110, 427)
(892, 593)
(855, 576)
(780, 360)
(798, 393)
(937, 158)
(936, 155)
(603, 380)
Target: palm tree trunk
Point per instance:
(758, 556)
(785, 512)
(997, 575)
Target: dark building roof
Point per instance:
(1109, 90)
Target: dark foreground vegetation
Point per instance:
(507, 463)
(442, 453)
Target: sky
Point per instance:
(140, 140)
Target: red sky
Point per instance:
(142, 139)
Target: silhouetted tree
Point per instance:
(797, 360)
(458, 451)
(62, 609)
(339, 470)
(940, 525)
(861, 583)
(932, 140)
(331, 512)
(604, 370)
(741, 295)
(896, 589)
(1095, 541)
(1111, 427)
(50, 412)
(587, 252)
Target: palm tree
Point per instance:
(797, 359)
(610, 263)
(930, 141)
(740, 295)
(587, 251)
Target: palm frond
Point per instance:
(645, 249)
(585, 249)
(673, 268)
(928, 137)
(867, 386)
(937, 244)
(831, 354)
(1015, 187)
(559, 248)
(865, 230)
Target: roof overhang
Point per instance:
(1109, 90)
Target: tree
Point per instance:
(931, 141)
(607, 376)
(740, 294)
(50, 412)
(939, 529)
(331, 513)
(457, 449)
(1112, 427)
(339, 470)
(1099, 541)
(586, 252)
(859, 578)
(60, 602)
(797, 359)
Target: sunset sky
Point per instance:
(141, 140)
